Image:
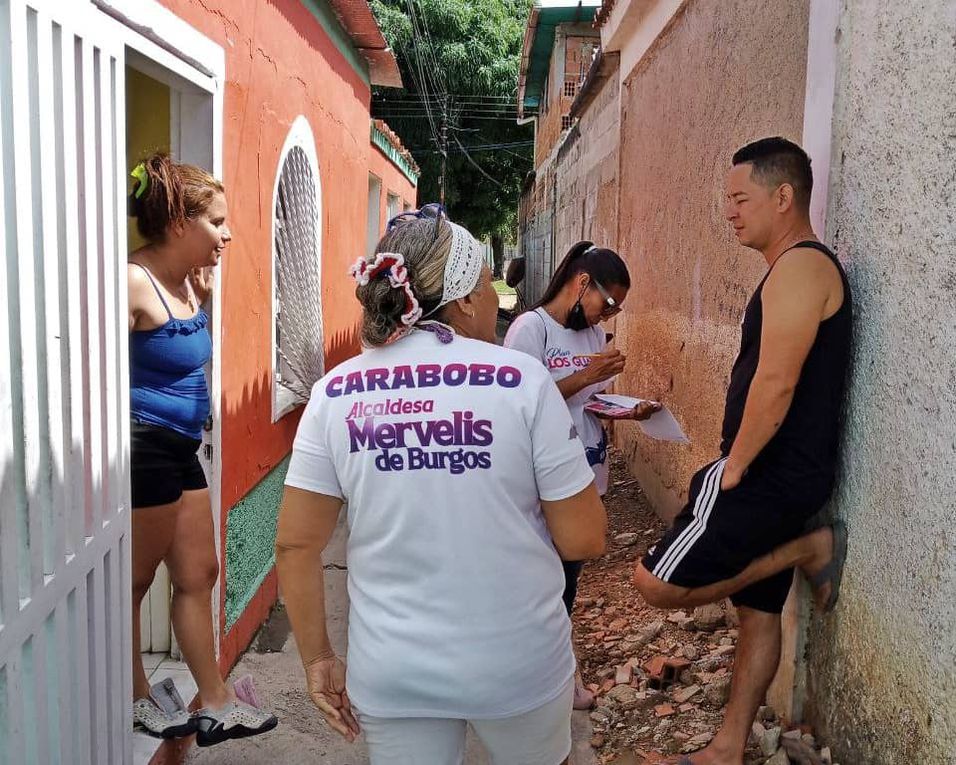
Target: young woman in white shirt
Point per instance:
(564, 332)
(463, 487)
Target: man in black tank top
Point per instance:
(742, 532)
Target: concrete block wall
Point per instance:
(587, 169)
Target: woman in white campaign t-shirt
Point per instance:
(460, 483)
(564, 332)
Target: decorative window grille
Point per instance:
(299, 352)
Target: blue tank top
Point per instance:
(167, 380)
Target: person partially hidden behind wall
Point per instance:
(743, 530)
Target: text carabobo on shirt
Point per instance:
(422, 376)
(454, 444)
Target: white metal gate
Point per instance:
(65, 649)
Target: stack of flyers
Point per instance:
(661, 425)
(607, 409)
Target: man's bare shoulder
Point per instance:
(805, 273)
(801, 265)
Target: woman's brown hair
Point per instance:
(173, 194)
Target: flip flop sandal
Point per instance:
(833, 571)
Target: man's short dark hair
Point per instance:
(777, 161)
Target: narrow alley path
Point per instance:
(661, 678)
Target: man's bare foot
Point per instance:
(821, 543)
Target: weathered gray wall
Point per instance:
(720, 75)
(882, 669)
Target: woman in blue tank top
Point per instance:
(181, 211)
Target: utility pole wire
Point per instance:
(478, 167)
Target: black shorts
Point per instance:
(718, 533)
(163, 464)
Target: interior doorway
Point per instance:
(166, 113)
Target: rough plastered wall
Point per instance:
(587, 168)
(718, 76)
(882, 669)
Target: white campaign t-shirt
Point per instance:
(565, 351)
(442, 452)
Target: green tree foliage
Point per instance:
(461, 56)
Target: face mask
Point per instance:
(576, 319)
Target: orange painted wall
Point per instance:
(280, 63)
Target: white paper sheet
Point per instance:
(660, 425)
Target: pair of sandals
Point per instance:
(163, 714)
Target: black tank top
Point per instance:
(805, 447)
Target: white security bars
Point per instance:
(64, 415)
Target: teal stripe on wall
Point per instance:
(250, 541)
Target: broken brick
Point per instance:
(623, 674)
(664, 670)
(686, 694)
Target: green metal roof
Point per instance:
(544, 19)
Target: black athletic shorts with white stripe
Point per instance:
(719, 533)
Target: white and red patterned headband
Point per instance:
(462, 271)
(392, 264)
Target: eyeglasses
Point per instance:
(433, 210)
(611, 308)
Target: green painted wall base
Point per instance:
(250, 541)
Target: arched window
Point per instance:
(298, 351)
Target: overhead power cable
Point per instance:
(478, 167)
